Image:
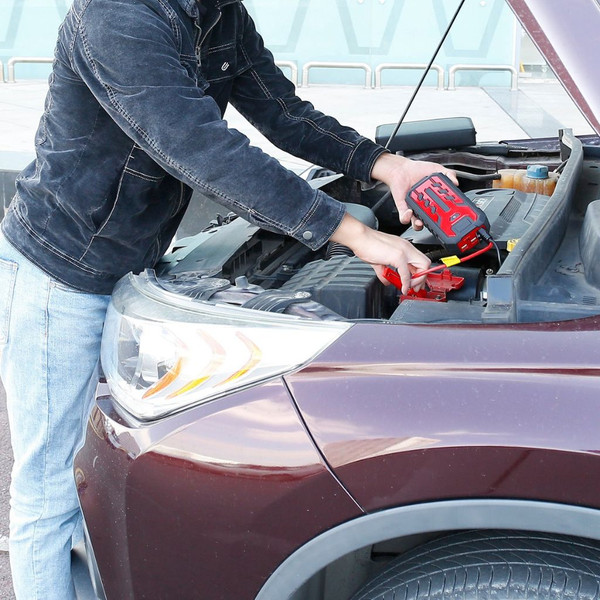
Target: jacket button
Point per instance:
(307, 235)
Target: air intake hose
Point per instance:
(363, 214)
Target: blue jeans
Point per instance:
(50, 340)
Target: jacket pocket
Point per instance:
(139, 184)
(140, 204)
(8, 276)
(220, 63)
(139, 210)
(140, 164)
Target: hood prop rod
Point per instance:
(425, 72)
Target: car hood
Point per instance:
(566, 34)
(406, 414)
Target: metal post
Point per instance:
(513, 71)
(24, 59)
(383, 66)
(337, 65)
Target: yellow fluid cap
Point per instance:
(510, 244)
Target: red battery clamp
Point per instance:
(453, 219)
(438, 285)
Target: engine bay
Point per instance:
(543, 268)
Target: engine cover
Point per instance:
(343, 284)
(510, 213)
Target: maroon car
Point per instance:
(277, 424)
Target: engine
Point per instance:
(542, 267)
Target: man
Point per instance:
(132, 124)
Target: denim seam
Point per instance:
(180, 201)
(376, 154)
(313, 124)
(52, 249)
(46, 435)
(214, 49)
(225, 77)
(172, 16)
(152, 178)
(5, 325)
(10, 264)
(281, 102)
(351, 156)
(61, 286)
(78, 19)
(131, 121)
(47, 107)
(311, 211)
(75, 166)
(201, 184)
(335, 224)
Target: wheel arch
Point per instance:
(425, 518)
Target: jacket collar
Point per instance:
(191, 6)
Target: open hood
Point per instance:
(566, 34)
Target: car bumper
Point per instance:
(206, 503)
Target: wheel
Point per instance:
(484, 565)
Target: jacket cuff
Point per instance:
(362, 159)
(320, 222)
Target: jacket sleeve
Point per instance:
(127, 54)
(268, 100)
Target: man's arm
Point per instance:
(382, 249)
(268, 100)
(127, 54)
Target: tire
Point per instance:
(482, 565)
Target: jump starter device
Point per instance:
(451, 217)
(455, 221)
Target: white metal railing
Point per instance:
(514, 74)
(292, 66)
(24, 59)
(384, 66)
(322, 65)
(337, 65)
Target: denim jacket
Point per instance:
(133, 123)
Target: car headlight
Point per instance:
(162, 352)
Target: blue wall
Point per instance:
(366, 31)
(28, 28)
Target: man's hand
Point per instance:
(382, 249)
(400, 174)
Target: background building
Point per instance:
(365, 33)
